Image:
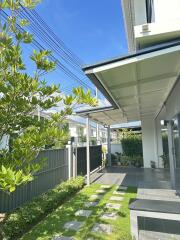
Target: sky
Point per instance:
(92, 29)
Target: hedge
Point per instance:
(165, 144)
(132, 145)
(21, 220)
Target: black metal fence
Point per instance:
(95, 159)
(54, 172)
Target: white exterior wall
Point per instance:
(152, 142)
(166, 25)
(166, 10)
(73, 131)
(149, 143)
(116, 147)
(140, 12)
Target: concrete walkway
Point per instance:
(136, 177)
(151, 184)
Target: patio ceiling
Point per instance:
(104, 116)
(137, 85)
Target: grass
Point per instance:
(53, 224)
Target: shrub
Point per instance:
(136, 161)
(114, 159)
(19, 221)
(132, 145)
(165, 143)
(165, 159)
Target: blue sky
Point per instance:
(93, 29)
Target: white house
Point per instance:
(77, 130)
(144, 85)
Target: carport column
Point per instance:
(88, 149)
(149, 142)
(109, 145)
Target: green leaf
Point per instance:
(12, 189)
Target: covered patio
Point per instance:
(152, 184)
(143, 86)
(135, 177)
(139, 87)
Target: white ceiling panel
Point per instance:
(138, 85)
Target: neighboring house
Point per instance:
(77, 131)
(144, 85)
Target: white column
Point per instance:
(69, 148)
(75, 161)
(88, 149)
(109, 145)
(159, 143)
(171, 154)
(149, 142)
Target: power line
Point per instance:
(39, 30)
(59, 64)
(50, 42)
(58, 40)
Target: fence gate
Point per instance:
(95, 159)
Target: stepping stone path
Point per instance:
(83, 213)
(102, 228)
(90, 204)
(101, 191)
(98, 227)
(114, 198)
(62, 238)
(113, 206)
(95, 197)
(73, 225)
(121, 188)
(105, 186)
(118, 193)
(109, 216)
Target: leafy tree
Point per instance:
(21, 94)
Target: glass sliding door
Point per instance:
(176, 149)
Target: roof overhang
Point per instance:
(104, 115)
(137, 85)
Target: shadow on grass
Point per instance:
(53, 224)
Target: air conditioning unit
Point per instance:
(145, 28)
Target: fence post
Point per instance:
(69, 147)
(75, 161)
(88, 150)
(109, 145)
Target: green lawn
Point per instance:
(53, 224)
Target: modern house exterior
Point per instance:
(144, 85)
